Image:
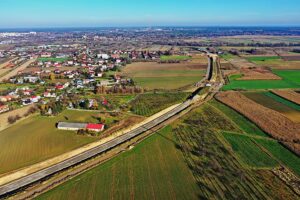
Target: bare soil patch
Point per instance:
(272, 122)
(241, 63)
(258, 74)
(291, 58)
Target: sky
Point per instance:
(112, 13)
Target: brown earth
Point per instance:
(153, 69)
(258, 74)
(289, 95)
(240, 63)
(291, 58)
(270, 121)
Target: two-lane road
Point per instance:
(20, 183)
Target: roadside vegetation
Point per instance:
(154, 169)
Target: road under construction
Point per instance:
(213, 81)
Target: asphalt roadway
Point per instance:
(37, 176)
(18, 184)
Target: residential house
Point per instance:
(4, 108)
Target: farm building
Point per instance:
(80, 126)
(95, 127)
(71, 126)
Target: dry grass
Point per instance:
(151, 75)
(258, 74)
(272, 122)
(241, 63)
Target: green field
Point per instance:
(278, 151)
(243, 123)
(154, 169)
(52, 59)
(283, 101)
(151, 103)
(218, 173)
(36, 139)
(262, 58)
(175, 57)
(187, 160)
(292, 76)
(228, 56)
(165, 76)
(268, 100)
(285, 156)
(249, 152)
(166, 83)
(290, 79)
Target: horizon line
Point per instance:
(154, 26)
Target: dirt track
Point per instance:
(272, 122)
(289, 95)
(15, 71)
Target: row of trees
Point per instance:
(15, 118)
(119, 90)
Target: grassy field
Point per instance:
(36, 139)
(219, 174)
(244, 124)
(262, 58)
(154, 169)
(278, 151)
(292, 76)
(269, 101)
(228, 56)
(187, 160)
(285, 156)
(175, 57)
(165, 76)
(151, 103)
(279, 64)
(167, 83)
(249, 152)
(52, 59)
(283, 101)
(290, 79)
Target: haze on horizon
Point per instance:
(105, 13)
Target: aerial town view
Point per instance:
(150, 100)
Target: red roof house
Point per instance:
(95, 127)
